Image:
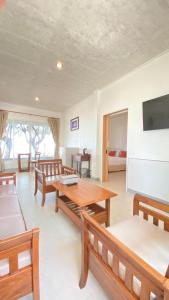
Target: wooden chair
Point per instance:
(46, 173)
(26, 156)
(35, 161)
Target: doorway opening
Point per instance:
(114, 165)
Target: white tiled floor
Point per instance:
(60, 244)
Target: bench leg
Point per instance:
(35, 191)
(56, 205)
(43, 198)
(107, 223)
(36, 187)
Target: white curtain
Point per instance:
(54, 125)
(3, 124)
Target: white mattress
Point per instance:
(116, 161)
(148, 241)
(24, 259)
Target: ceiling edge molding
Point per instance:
(29, 110)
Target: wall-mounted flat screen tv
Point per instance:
(156, 113)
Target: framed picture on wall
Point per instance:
(74, 124)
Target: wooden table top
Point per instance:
(84, 193)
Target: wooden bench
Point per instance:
(46, 174)
(19, 247)
(120, 270)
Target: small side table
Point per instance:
(79, 159)
(26, 156)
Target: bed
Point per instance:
(131, 259)
(116, 161)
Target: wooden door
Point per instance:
(106, 120)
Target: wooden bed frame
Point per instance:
(19, 282)
(108, 277)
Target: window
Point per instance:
(42, 140)
(25, 137)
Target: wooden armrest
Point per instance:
(68, 170)
(40, 174)
(39, 171)
(7, 174)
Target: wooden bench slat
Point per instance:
(129, 279)
(13, 263)
(115, 264)
(105, 254)
(155, 221)
(95, 244)
(145, 292)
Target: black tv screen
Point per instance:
(156, 113)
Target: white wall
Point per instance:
(147, 82)
(118, 131)
(86, 136)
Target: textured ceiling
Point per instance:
(97, 40)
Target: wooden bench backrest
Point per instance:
(150, 280)
(7, 178)
(37, 155)
(144, 205)
(50, 167)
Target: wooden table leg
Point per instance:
(56, 205)
(89, 169)
(107, 206)
(80, 169)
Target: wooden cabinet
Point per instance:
(79, 159)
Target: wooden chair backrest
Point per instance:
(135, 268)
(7, 178)
(37, 155)
(51, 167)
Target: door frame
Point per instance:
(105, 143)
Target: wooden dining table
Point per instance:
(73, 199)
